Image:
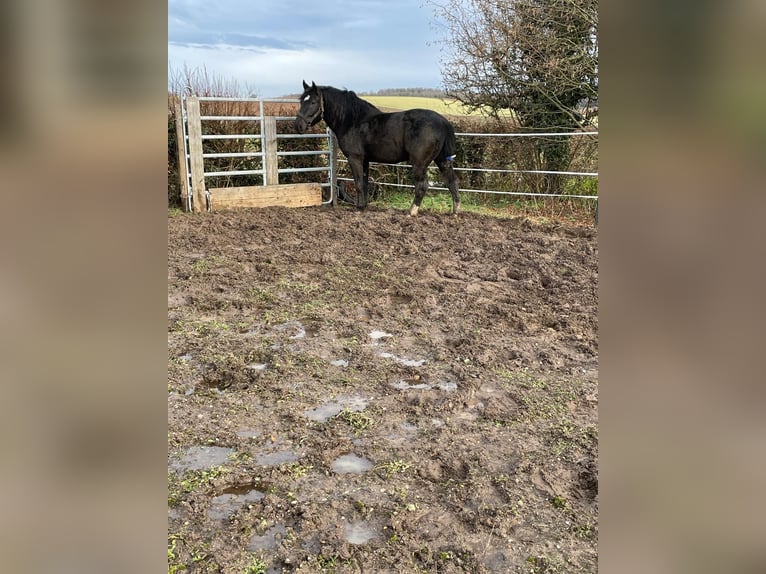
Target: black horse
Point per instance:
(366, 134)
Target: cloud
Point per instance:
(246, 41)
(275, 72)
(273, 44)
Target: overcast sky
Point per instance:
(272, 45)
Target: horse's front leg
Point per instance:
(359, 170)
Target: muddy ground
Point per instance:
(368, 392)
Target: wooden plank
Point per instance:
(183, 174)
(286, 195)
(270, 159)
(194, 127)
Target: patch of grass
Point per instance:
(202, 265)
(394, 467)
(191, 481)
(445, 106)
(314, 308)
(542, 407)
(298, 470)
(200, 328)
(256, 566)
(173, 564)
(584, 531)
(358, 420)
(260, 295)
(545, 565)
(567, 436)
(330, 563)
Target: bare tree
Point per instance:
(537, 59)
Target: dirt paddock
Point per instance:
(368, 392)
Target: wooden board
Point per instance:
(287, 195)
(194, 127)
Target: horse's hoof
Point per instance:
(413, 211)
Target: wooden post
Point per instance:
(183, 174)
(270, 159)
(194, 126)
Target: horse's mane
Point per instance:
(345, 106)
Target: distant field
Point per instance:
(395, 103)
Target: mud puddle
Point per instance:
(350, 464)
(361, 532)
(324, 412)
(231, 500)
(201, 457)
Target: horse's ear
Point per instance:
(305, 85)
(313, 85)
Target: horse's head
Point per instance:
(311, 108)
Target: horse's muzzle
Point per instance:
(300, 125)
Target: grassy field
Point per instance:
(442, 105)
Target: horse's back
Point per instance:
(399, 136)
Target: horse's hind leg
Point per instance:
(419, 174)
(448, 173)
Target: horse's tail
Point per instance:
(449, 147)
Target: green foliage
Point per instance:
(256, 566)
(359, 421)
(191, 481)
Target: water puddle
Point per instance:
(402, 360)
(448, 386)
(226, 504)
(246, 488)
(328, 410)
(359, 533)
(406, 432)
(405, 385)
(410, 384)
(276, 458)
(201, 457)
(268, 539)
(350, 463)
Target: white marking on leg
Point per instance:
(413, 210)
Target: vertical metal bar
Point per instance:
(188, 185)
(183, 178)
(263, 141)
(333, 172)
